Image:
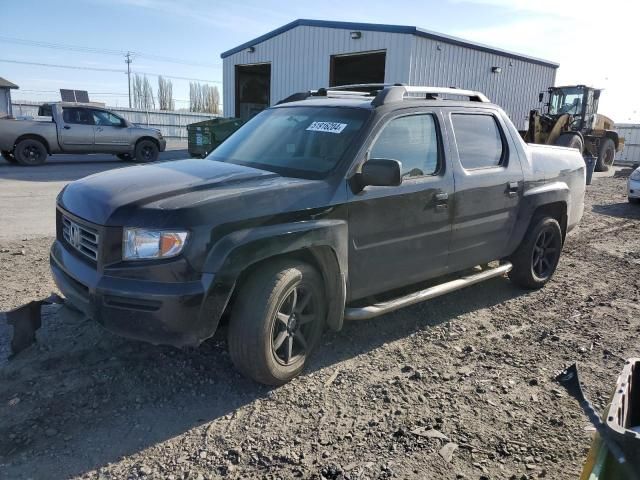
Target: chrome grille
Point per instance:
(82, 238)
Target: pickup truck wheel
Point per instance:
(8, 156)
(606, 155)
(277, 319)
(536, 259)
(30, 152)
(146, 151)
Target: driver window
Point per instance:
(105, 119)
(413, 141)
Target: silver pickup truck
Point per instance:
(80, 129)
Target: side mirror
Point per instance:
(123, 123)
(380, 172)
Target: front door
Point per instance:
(76, 132)
(400, 235)
(489, 184)
(111, 132)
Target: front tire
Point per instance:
(30, 152)
(276, 320)
(8, 156)
(570, 140)
(536, 259)
(146, 151)
(606, 155)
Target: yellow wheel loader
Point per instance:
(571, 119)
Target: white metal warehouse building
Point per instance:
(309, 54)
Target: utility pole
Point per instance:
(128, 62)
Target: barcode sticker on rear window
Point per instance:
(328, 127)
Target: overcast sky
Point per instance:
(595, 42)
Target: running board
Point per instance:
(371, 311)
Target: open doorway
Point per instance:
(352, 68)
(253, 89)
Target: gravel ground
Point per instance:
(459, 387)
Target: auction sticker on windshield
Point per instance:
(329, 127)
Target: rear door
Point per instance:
(76, 132)
(111, 132)
(488, 186)
(400, 235)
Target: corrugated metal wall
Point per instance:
(515, 88)
(630, 154)
(171, 124)
(300, 60)
(4, 101)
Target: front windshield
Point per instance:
(566, 100)
(305, 142)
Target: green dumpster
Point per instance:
(203, 137)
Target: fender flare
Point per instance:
(325, 240)
(551, 194)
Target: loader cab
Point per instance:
(579, 101)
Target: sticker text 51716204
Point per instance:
(328, 127)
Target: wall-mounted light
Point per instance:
(496, 69)
(251, 49)
(438, 47)
(356, 35)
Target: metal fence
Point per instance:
(172, 124)
(630, 154)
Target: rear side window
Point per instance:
(412, 140)
(478, 139)
(77, 115)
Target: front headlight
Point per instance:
(636, 175)
(140, 243)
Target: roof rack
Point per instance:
(386, 93)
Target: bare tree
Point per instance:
(143, 93)
(165, 94)
(204, 98)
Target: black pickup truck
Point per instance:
(308, 214)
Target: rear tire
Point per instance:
(570, 140)
(606, 155)
(30, 152)
(8, 156)
(277, 319)
(536, 259)
(146, 151)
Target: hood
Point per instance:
(111, 198)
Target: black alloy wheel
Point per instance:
(293, 324)
(545, 253)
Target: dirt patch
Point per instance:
(459, 387)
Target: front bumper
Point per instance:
(176, 313)
(633, 189)
(162, 144)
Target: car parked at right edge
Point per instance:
(633, 186)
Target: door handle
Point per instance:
(67, 127)
(441, 200)
(512, 189)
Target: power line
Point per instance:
(99, 69)
(104, 51)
